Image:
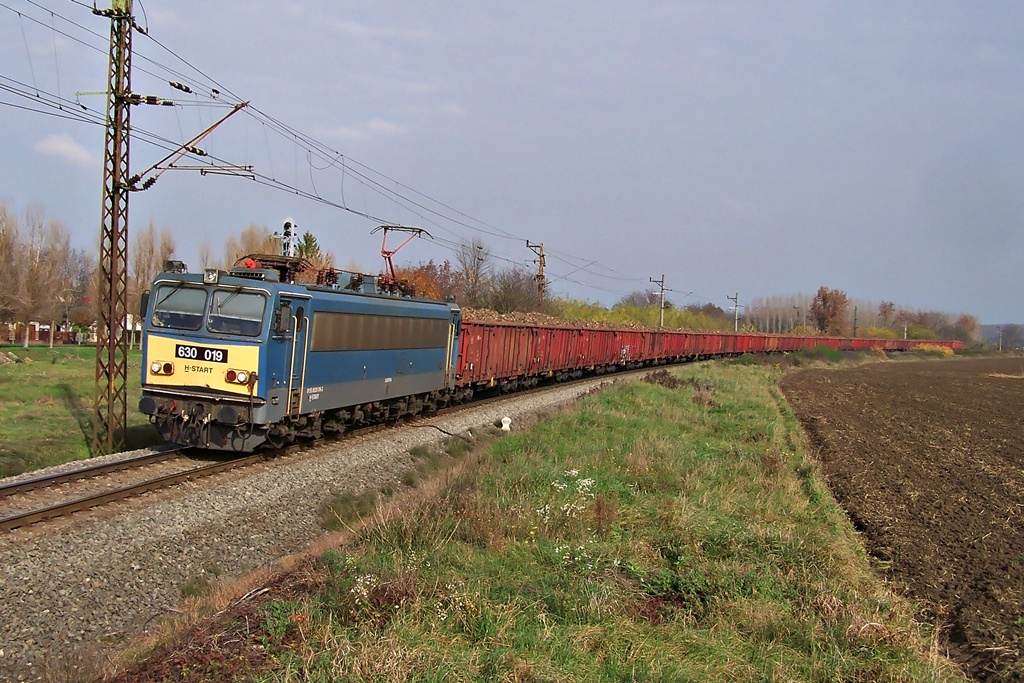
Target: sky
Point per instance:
(732, 146)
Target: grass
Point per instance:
(46, 407)
(664, 531)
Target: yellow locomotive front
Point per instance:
(202, 360)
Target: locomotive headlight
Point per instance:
(239, 376)
(159, 368)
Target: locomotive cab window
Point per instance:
(233, 311)
(178, 307)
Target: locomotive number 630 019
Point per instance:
(201, 353)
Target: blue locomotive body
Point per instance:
(237, 360)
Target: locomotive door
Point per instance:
(298, 353)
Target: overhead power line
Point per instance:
(207, 91)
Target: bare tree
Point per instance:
(474, 261)
(41, 270)
(1012, 336)
(256, 239)
(966, 328)
(76, 299)
(514, 290)
(149, 250)
(829, 310)
(9, 238)
(642, 299)
(205, 254)
(886, 313)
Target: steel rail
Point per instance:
(88, 502)
(85, 472)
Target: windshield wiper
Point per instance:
(221, 304)
(170, 294)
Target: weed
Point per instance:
(195, 586)
(344, 509)
(822, 353)
(457, 446)
(662, 378)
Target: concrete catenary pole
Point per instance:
(661, 284)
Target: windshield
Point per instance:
(236, 312)
(178, 307)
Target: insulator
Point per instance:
(180, 86)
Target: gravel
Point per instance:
(75, 465)
(103, 578)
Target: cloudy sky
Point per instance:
(765, 148)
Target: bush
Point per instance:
(933, 350)
(822, 353)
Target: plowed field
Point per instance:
(928, 459)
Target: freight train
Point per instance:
(257, 357)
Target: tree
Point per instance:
(256, 239)
(309, 249)
(432, 280)
(886, 313)
(642, 299)
(965, 328)
(9, 238)
(150, 249)
(514, 290)
(829, 310)
(42, 271)
(708, 309)
(1012, 336)
(474, 261)
(205, 254)
(79, 302)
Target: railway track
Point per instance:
(26, 485)
(86, 502)
(64, 508)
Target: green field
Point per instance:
(657, 531)
(46, 407)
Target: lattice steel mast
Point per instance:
(111, 407)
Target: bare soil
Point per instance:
(928, 460)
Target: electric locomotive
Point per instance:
(250, 357)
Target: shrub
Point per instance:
(933, 350)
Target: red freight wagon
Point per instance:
(511, 355)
